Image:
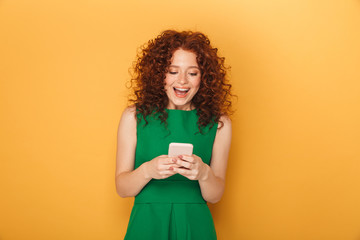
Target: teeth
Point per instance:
(182, 89)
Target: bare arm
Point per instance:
(213, 183)
(211, 178)
(130, 182)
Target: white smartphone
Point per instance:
(176, 149)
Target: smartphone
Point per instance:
(176, 149)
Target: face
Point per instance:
(182, 81)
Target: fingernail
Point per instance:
(171, 168)
(180, 156)
(174, 160)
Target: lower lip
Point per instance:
(180, 96)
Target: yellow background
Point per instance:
(294, 167)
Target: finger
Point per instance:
(184, 163)
(187, 158)
(168, 166)
(167, 173)
(182, 171)
(168, 160)
(161, 167)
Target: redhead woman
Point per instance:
(180, 95)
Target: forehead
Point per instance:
(183, 58)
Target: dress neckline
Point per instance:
(179, 110)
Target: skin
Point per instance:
(183, 73)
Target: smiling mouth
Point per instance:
(181, 92)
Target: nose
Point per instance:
(183, 78)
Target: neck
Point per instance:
(184, 108)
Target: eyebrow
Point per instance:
(188, 67)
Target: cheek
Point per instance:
(196, 83)
(168, 81)
(166, 84)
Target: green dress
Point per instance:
(171, 208)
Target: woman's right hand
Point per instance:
(160, 167)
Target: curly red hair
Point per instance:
(148, 74)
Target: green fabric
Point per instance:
(171, 208)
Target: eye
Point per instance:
(173, 72)
(193, 74)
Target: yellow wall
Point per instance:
(294, 164)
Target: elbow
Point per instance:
(122, 191)
(215, 197)
(214, 200)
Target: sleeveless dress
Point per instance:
(171, 208)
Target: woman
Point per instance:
(181, 95)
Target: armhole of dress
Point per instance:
(213, 136)
(138, 123)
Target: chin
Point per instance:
(178, 103)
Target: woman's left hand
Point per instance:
(191, 167)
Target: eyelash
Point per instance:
(192, 74)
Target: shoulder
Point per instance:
(128, 116)
(225, 123)
(224, 131)
(225, 119)
(129, 112)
